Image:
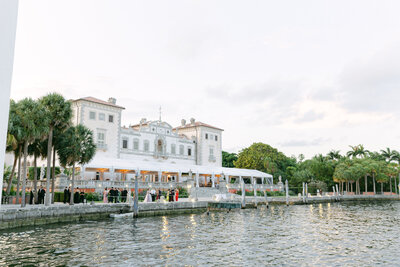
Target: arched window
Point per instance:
(181, 149)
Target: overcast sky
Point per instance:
(303, 76)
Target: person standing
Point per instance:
(65, 195)
(172, 195)
(82, 197)
(68, 195)
(31, 197)
(105, 195)
(176, 194)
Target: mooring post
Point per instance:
(287, 192)
(304, 199)
(337, 192)
(334, 193)
(243, 195)
(136, 201)
(306, 192)
(266, 198)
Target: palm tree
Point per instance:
(34, 125)
(14, 130)
(36, 150)
(76, 147)
(59, 113)
(389, 155)
(334, 155)
(357, 151)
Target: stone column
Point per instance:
(197, 179)
(213, 180)
(180, 176)
(159, 176)
(254, 185)
(8, 26)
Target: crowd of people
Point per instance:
(156, 195)
(115, 195)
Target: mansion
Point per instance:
(159, 151)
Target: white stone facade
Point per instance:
(193, 143)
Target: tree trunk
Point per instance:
(53, 175)
(373, 183)
(71, 200)
(390, 184)
(9, 183)
(382, 188)
(366, 187)
(49, 146)
(395, 184)
(351, 187)
(23, 204)
(18, 176)
(35, 178)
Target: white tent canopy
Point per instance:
(134, 165)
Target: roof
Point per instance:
(98, 101)
(130, 164)
(196, 124)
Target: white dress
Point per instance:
(147, 198)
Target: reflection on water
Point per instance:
(319, 234)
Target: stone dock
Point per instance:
(12, 216)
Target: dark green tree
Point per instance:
(59, 113)
(76, 147)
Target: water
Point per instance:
(364, 234)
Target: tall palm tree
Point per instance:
(36, 150)
(15, 130)
(389, 155)
(76, 147)
(34, 125)
(59, 113)
(334, 155)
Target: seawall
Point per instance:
(12, 216)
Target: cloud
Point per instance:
(310, 116)
(304, 142)
(372, 85)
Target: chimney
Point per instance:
(192, 121)
(183, 122)
(112, 100)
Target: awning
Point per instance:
(142, 165)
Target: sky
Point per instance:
(302, 76)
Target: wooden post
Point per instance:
(306, 192)
(287, 192)
(266, 198)
(136, 201)
(334, 193)
(304, 200)
(243, 194)
(337, 192)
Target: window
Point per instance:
(153, 129)
(173, 149)
(181, 149)
(124, 143)
(146, 145)
(110, 118)
(206, 135)
(211, 136)
(92, 115)
(216, 138)
(211, 151)
(102, 117)
(101, 138)
(189, 151)
(136, 144)
(167, 131)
